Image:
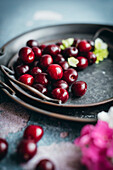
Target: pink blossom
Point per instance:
(96, 143)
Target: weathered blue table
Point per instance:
(17, 17)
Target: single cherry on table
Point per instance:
(79, 88)
(70, 75)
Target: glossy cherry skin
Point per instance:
(37, 52)
(59, 58)
(64, 65)
(42, 46)
(61, 84)
(45, 164)
(41, 78)
(32, 43)
(91, 57)
(75, 42)
(79, 88)
(60, 94)
(26, 79)
(84, 46)
(52, 49)
(21, 69)
(3, 148)
(92, 44)
(26, 149)
(26, 55)
(83, 63)
(34, 132)
(46, 60)
(70, 52)
(41, 88)
(35, 70)
(70, 75)
(55, 71)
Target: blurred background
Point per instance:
(19, 16)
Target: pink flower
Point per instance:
(96, 143)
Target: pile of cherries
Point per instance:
(45, 67)
(27, 147)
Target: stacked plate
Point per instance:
(99, 77)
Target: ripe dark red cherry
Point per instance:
(26, 79)
(55, 71)
(61, 84)
(79, 88)
(91, 57)
(37, 52)
(83, 63)
(64, 65)
(41, 78)
(40, 88)
(92, 44)
(70, 52)
(52, 49)
(32, 43)
(3, 148)
(34, 132)
(21, 69)
(42, 46)
(26, 55)
(26, 149)
(60, 94)
(70, 76)
(46, 60)
(84, 46)
(76, 41)
(59, 58)
(45, 164)
(35, 71)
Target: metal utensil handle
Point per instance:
(5, 86)
(98, 32)
(5, 70)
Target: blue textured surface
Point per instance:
(16, 17)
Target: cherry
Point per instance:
(46, 60)
(75, 42)
(64, 65)
(32, 43)
(45, 164)
(92, 44)
(26, 79)
(70, 52)
(34, 132)
(79, 88)
(59, 43)
(3, 148)
(26, 55)
(35, 70)
(41, 78)
(21, 69)
(42, 46)
(37, 52)
(70, 76)
(91, 57)
(84, 46)
(26, 149)
(61, 84)
(59, 58)
(52, 49)
(83, 63)
(55, 71)
(40, 88)
(61, 94)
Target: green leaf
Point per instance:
(73, 61)
(67, 43)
